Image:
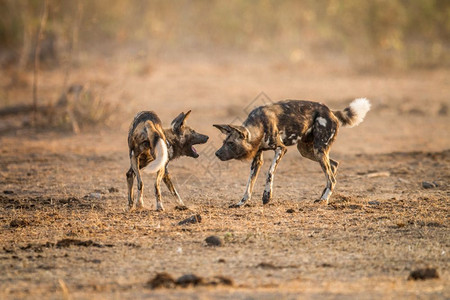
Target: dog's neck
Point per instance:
(255, 139)
(173, 144)
(255, 134)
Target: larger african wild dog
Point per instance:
(152, 147)
(310, 125)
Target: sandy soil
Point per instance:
(65, 231)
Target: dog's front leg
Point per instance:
(159, 176)
(168, 181)
(140, 184)
(279, 153)
(254, 170)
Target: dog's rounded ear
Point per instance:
(179, 121)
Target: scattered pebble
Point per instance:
(94, 195)
(429, 185)
(8, 192)
(423, 274)
(213, 241)
(290, 211)
(265, 265)
(221, 280)
(18, 223)
(191, 220)
(443, 110)
(181, 207)
(189, 279)
(378, 174)
(165, 280)
(161, 280)
(374, 202)
(113, 190)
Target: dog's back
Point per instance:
(290, 118)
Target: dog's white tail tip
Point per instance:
(161, 157)
(359, 108)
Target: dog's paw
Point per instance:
(160, 209)
(266, 198)
(321, 201)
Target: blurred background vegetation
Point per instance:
(397, 34)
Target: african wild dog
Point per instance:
(153, 147)
(310, 125)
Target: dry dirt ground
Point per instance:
(65, 231)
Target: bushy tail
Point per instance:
(161, 157)
(353, 114)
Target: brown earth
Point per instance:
(65, 231)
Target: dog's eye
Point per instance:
(146, 144)
(229, 143)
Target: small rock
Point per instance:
(113, 190)
(221, 260)
(290, 211)
(443, 110)
(181, 207)
(374, 202)
(189, 279)
(18, 223)
(265, 265)
(161, 280)
(221, 280)
(8, 192)
(423, 274)
(191, 220)
(428, 185)
(94, 195)
(213, 241)
(378, 174)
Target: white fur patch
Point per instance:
(161, 158)
(322, 121)
(359, 107)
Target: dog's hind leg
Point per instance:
(324, 162)
(168, 181)
(130, 181)
(307, 151)
(254, 170)
(159, 177)
(279, 153)
(140, 184)
(334, 166)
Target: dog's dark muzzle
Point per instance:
(201, 139)
(221, 156)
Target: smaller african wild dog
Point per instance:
(310, 125)
(152, 147)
